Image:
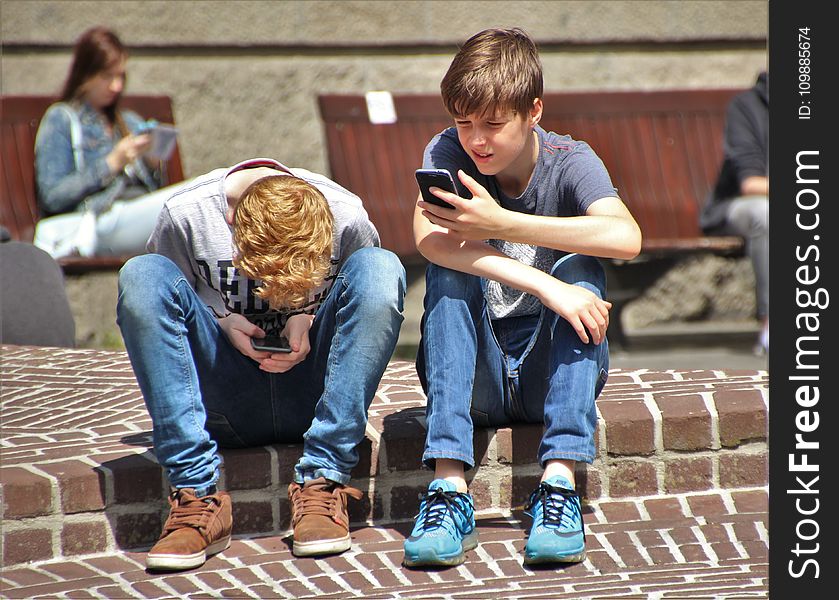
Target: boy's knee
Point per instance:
(138, 269)
(450, 282)
(582, 270)
(140, 279)
(378, 274)
(384, 263)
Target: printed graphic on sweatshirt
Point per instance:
(238, 293)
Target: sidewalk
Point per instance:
(712, 545)
(676, 500)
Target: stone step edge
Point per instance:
(32, 490)
(388, 498)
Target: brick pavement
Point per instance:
(677, 494)
(696, 545)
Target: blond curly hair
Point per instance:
(282, 228)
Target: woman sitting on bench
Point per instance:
(98, 183)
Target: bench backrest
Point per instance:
(19, 120)
(662, 149)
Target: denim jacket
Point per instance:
(61, 187)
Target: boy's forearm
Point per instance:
(605, 236)
(614, 235)
(508, 271)
(441, 247)
(482, 260)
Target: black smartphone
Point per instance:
(428, 178)
(271, 343)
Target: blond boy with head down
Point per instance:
(259, 249)
(515, 320)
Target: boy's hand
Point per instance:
(297, 332)
(239, 332)
(583, 309)
(479, 218)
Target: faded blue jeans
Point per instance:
(531, 369)
(202, 393)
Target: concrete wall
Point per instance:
(245, 76)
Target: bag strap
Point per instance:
(137, 169)
(75, 134)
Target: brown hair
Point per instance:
(282, 228)
(495, 68)
(96, 50)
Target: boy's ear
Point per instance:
(230, 214)
(535, 112)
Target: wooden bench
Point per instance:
(663, 150)
(19, 120)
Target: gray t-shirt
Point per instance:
(193, 232)
(567, 179)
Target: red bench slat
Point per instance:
(662, 149)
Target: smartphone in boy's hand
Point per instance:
(441, 178)
(271, 343)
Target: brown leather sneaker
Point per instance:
(196, 529)
(319, 516)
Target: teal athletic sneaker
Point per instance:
(444, 529)
(558, 532)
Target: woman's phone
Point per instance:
(163, 137)
(441, 178)
(271, 343)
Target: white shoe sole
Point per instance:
(571, 558)
(321, 546)
(178, 562)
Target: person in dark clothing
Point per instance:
(739, 203)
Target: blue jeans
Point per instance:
(202, 392)
(531, 369)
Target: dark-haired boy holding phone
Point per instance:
(515, 320)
